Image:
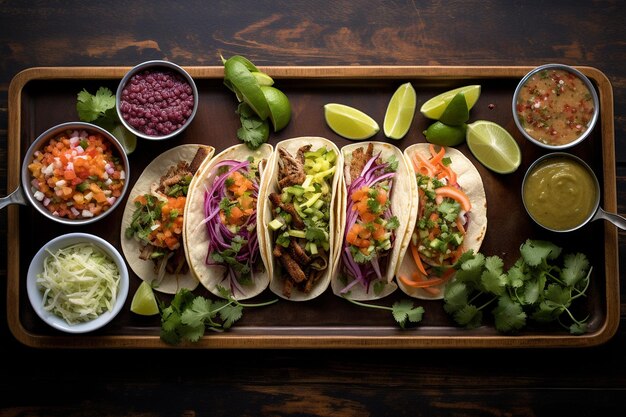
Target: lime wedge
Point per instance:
(400, 112)
(246, 85)
(456, 112)
(280, 108)
(434, 107)
(126, 138)
(445, 135)
(493, 146)
(262, 78)
(144, 302)
(349, 122)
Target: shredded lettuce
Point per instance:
(79, 282)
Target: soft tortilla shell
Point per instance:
(270, 186)
(401, 207)
(194, 233)
(469, 179)
(170, 283)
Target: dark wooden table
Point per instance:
(499, 382)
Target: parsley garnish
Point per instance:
(188, 315)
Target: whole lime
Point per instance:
(445, 135)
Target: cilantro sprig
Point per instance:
(403, 311)
(99, 109)
(188, 316)
(537, 287)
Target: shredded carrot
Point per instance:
(418, 260)
(456, 194)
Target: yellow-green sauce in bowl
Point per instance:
(560, 192)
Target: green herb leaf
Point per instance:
(402, 311)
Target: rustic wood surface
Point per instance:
(477, 382)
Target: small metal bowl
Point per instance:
(24, 194)
(595, 212)
(123, 106)
(35, 294)
(586, 82)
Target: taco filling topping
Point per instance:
(442, 220)
(157, 222)
(370, 222)
(301, 215)
(230, 217)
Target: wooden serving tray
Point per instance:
(42, 97)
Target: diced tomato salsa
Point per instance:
(77, 175)
(555, 106)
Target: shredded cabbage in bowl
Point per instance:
(79, 282)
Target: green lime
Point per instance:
(262, 78)
(246, 86)
(456, 112)
(144, 302)
(493, 146)
(400, 112)
(280, 108)
(445, 135)
(243, 60)
(434, 107)
(125, 137)
(349, 122)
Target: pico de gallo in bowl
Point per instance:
(75, 173)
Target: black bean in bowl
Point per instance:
(157, 100)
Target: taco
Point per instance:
(221, 223)
(377, 198)
(451, 218)
(152, 222)
(300, 216)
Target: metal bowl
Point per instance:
(160, 66)
(25, 195)
(588, 84)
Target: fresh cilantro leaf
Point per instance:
(449, 209)
(188, 316)
(392, 223)
(401, 310)
(469, 316)
(91, 107)
(253, 131)
(535, 287)
(508, 315)
(404, 310)
(230, 314)
(535, 252)
(575, 268)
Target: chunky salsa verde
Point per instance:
(560, 194)
(555, 106)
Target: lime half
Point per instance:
(434, 107)
(493, 146)
(349, 122)
(280, 108)
(144, 302)
(400, 112)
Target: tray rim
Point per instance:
(242, 341)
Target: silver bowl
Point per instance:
(155, 65)
(24, 194)
(586, 82)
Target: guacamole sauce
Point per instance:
(560, 193)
